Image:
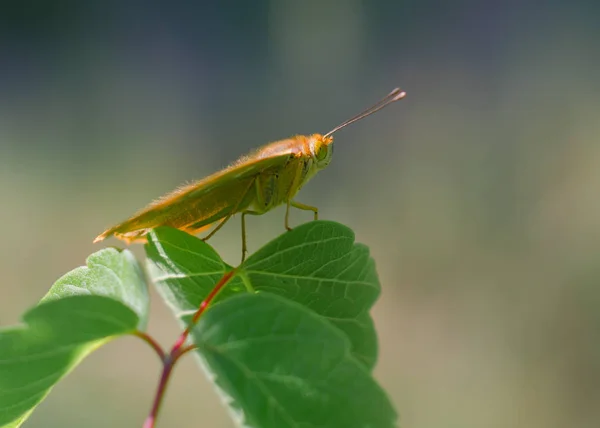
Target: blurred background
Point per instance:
(478, 194)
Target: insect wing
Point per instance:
(199, 204)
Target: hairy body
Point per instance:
(254, 184)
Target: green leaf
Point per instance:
(185, 269)
(83, 310)
(284, 366)
(109, 272)
(318, 265)
(318, 271)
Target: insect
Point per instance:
(254, 184)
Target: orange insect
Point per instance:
(253, 185)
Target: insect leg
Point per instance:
(287, 216)
(300, 206)
(305, 207)
(231, 213)
(220, 225)
(244, 247)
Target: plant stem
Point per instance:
(153, 343)
(160, 391)
(178, 349)
(187, 349)
(205, 303)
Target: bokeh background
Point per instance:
(478, 194)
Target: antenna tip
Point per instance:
(397, 94)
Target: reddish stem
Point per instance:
(205, 303)
(187, 349)
(160, 391)
(178, 349)
(153, 343)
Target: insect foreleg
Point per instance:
(287, 216)
(300, 206)
(305, 207)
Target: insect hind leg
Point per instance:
(219, 226)
(244, 243)
(231, 212)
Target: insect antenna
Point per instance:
(395, 95)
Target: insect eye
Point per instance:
(321, 153)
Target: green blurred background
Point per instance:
(478, 194)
